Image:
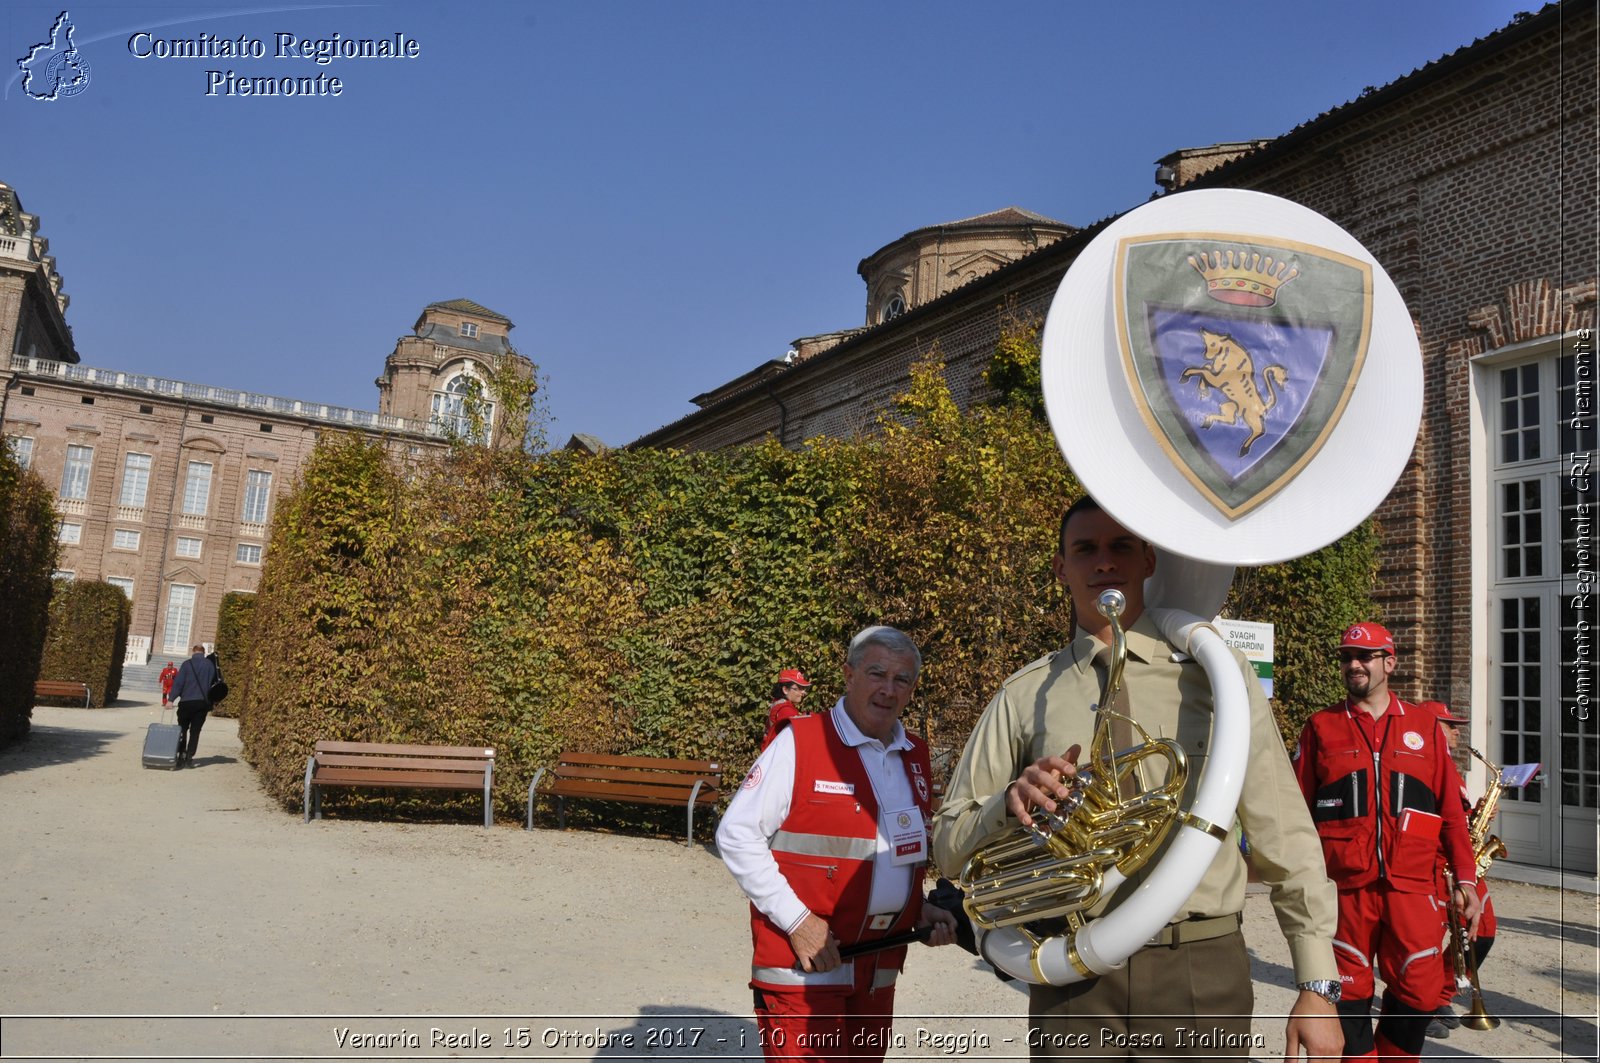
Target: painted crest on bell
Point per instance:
(1241, 352)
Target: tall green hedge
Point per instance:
(87, 638)
(1309, 601)
(642, 601)
(27, 557)
(233, 649)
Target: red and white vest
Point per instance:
(825, 850)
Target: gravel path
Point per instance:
(161, 915)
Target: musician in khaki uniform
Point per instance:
(1188, 994)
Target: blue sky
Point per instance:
(661, 196)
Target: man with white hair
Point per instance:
(828, 838)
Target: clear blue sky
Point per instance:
(660, 195)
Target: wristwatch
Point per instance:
(1328, 989)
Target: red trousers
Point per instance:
(1402, 931)
(827, 1022)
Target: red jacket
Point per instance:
(782, 711)
(825, 847)
(1394, 830)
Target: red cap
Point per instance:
(793, 675)
(1441, 710)
(1367, 636)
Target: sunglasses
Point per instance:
(1346, 656)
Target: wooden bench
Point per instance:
(398, 767)
(634, 780)
(62, 688)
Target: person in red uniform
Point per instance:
(168, 674)
(1444, 1017)
(787, 694)
(1385, 797)
(828, 838)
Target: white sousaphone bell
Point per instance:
(1237, 381)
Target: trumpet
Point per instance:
(1486, 848)
(1465, 961)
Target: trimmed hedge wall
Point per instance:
(87, 638)
(642, 601)
(27, 557)
(233, 632)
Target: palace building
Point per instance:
(165, 488)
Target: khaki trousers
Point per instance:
(1188, 1002)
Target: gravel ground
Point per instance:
(164, 915)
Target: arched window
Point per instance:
(893, 307)
(453, 413)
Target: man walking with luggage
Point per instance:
(191, 689)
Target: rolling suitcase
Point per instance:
(161, 745)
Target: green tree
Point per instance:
(27, 558)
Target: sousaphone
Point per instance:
(1236, 380)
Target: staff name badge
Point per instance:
(908, 838)
(826, 786)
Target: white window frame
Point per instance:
(135, 480)
(449, 407)
(179, 618)
(122, 583)
(69, 532)
(1542, 682)
(469, 329)
(257, 496)
(76, 471)
(180, 548)
(125, 539)
(247, 548)
(197, 488)
(21, 450)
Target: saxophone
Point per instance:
(1486, 847)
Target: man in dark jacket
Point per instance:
(192, 691)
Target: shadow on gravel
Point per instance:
(203, 761)
(48, 747)
(1574, 933)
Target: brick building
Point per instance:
(1473, 180)
(165, 488)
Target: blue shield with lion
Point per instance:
(1241, 353)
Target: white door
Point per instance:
(1539, 619)
(180, 618)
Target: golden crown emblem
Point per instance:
(1243, 278)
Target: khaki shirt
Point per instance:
(1048, 706)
